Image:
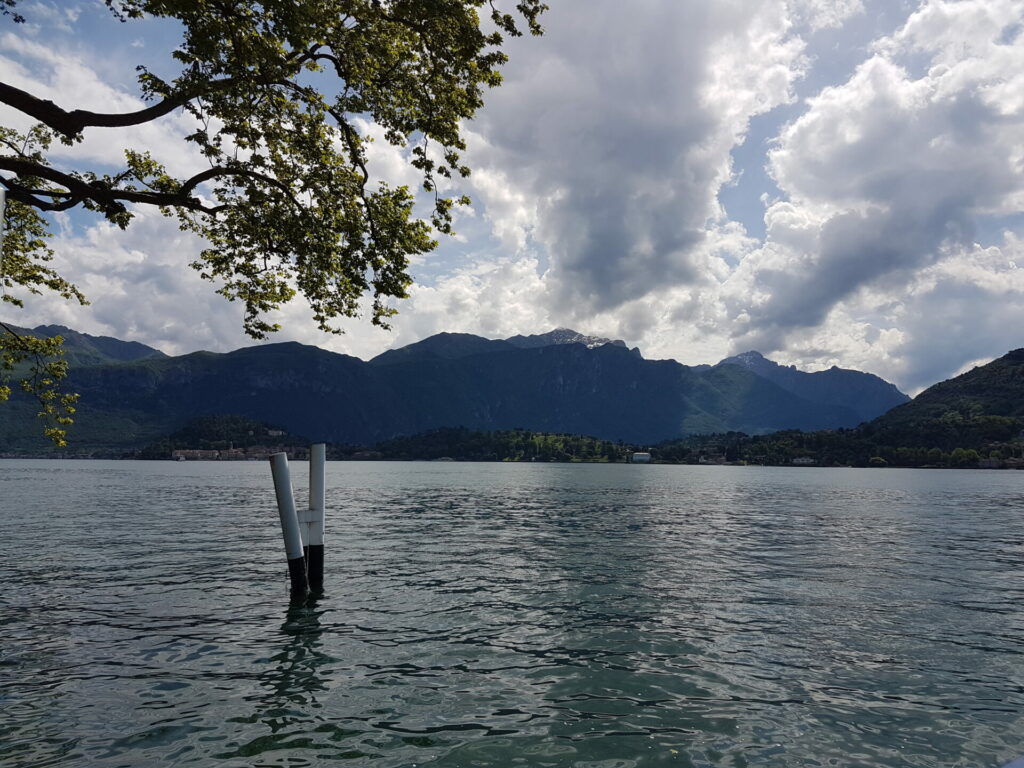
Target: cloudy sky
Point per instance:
(826, 181)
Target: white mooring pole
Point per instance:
(289, 525)
(3, 226)
(313, 520)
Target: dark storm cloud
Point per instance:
(610, 129)
(950, 327)
(854, 249)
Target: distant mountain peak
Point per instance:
(562, 336)
(753, 361)
(751, 356)
(440, 346)
(866, 393)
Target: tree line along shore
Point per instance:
(228, 438)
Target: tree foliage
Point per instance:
(462, 444)
(219, 433)
(284, 94)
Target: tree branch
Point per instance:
(29, 196)
(17, 336)
(352, 141)
(112, 200)
(72, 123)
(212, 173)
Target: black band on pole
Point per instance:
(297, 577)
(315, 567)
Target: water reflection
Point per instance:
(291, 680)
(295, 677)
(635, 683)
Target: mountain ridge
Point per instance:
(985, 403)
(834, 385)
(567, 386)
(563, 336)
(86, 349)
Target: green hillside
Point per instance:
(976, 419)
(984, 405)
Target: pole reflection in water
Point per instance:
(292, 680)
(296, 679)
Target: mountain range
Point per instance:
(561, 381)
(975, 420)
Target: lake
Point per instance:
(512, 615)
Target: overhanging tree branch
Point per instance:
(278, 92)
(218, 172)
(71, 123)
(110, 199)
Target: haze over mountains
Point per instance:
(561, 381)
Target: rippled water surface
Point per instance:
(512, 615)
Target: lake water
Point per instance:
(512, 615)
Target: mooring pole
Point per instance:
(3, 225)
(314, 533)
(289, 525)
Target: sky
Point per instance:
(829, 182)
